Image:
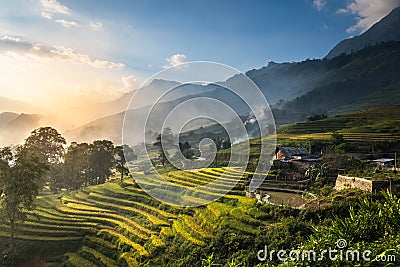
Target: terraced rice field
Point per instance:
(120, 225)
(348, 136)
(375, 125)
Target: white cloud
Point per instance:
(67, 23)
(11, 39)
(23, 48)
(46, 15)
(129, 83)
(367, 12)
(319, 4)
(70, 55)
(96, 25)
(53, 6)
(176, 60)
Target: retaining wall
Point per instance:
(343, 182)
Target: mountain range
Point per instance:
(387, 29)
(358, 73)
(11, 105)
(15, 127)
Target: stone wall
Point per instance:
(343, 182)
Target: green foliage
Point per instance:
(47, 143)
(76, 169)
(186, 150)
(317, 117)
(317, 172)
(18, 185)
(162, 142)
(75, 260)
(129, 228)
(370, 224)
(350, 76)
(372, 125)
(209, 261)
(98, 257)
(101, 160)
(123, 154)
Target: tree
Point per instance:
(101, 160)
(337, 139)
(225, 144)
(335, 160)
(222, 143)
(129, 153)
(123, 154)
(162, 141)
(75, 171)
(48, 145)
(186, 150)
(162, 156)
(317, 172)
(317, 117)
(18, 176)
(5, 157)
(167, 136)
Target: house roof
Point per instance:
(292, 151)
(360, 156)
(383, 160)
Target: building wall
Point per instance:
(279, 155)
(343, 182)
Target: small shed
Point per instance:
(285, 153)
(383, 161)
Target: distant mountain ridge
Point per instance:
(111, 126)
(15, 127)
(347, 83)
(387, 29)
(362, 80)
(16, 106)
(155, 87)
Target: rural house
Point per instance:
(286, 153)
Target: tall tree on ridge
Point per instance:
(18, 176)
(48, 144)
(101, 160)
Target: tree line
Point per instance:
(44, 160)
(78, 165)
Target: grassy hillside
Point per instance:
(365, 79)
(117, 224)
(380, 124)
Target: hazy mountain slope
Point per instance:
(366, 79)
(156, 88)
(110, 127)
(288, 80)
(11, 105)
(334, 85)
(7, 117)
(14, 128)
(385, 30)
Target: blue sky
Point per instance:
(244, 34)
(101, 49)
